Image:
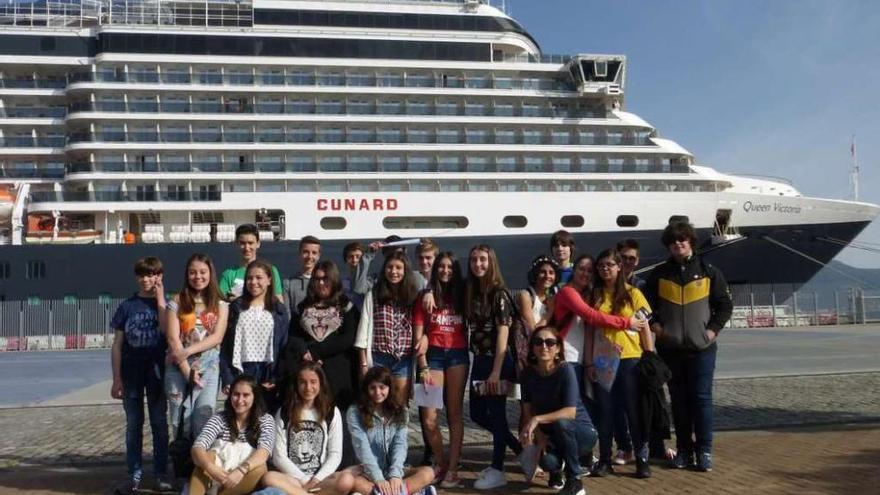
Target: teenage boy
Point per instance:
(562, 250)
(691, 305)
(352, 254)
(138, 363)
(232, 279)
(426, 253)
(295, 288)
(629, 253)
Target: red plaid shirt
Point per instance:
(392, 330)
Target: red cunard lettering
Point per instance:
(351, 204)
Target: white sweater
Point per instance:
(318, 449)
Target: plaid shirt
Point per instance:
(392, 330)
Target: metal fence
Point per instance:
(36, 324)
(781, 306)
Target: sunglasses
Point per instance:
(548, 343)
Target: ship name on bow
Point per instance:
(775, 207)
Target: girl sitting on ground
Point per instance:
(308, 436)
(231, 451)
(378, 428)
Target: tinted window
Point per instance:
(627, 221)
(572, 221)
(515, 221)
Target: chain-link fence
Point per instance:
(36, 324)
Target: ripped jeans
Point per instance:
(203, 400)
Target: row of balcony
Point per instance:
(84, 196)
(338, 108)
(348, 136)
(32, 142)
(341, 166)
(335, 79)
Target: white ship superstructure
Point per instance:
(177, 120)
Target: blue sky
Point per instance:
(773, 87)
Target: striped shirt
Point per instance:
(217, 429)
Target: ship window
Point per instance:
(532, 137)
(515, 221)
(333, 223)
(506, 163)
(679, 218)
(534, 164)
(561, 164)
(361, 164)
(35, 269)
(505, 136)
(503, 109)
(447, 136)
(361, 185)
(393, 223)
(419, 164)
(572, 221)
(4, 269)
(417, 108)
(418, 136)
(391, 164)
(627, 221)
(449, 164)
(359, 135)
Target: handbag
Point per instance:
(179, 449)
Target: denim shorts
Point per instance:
(441, 359)
(400, 368)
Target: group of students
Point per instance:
(319, 369)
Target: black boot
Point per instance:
(643, 469)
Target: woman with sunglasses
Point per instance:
(553, 409)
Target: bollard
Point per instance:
(862, 301)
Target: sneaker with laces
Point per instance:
(624, 457)
(573, 486)
(163, 483)
(129, 486)
(704, 462)
(451, 480)
(682, 460)
(602, 469)
(428, 490)
(557, 480)
(490, 478)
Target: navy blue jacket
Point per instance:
(263, 372)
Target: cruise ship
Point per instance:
(173, 121)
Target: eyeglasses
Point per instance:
(606, 264)
(548, 343)
(321, 280)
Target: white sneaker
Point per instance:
(528, 461)
(490, 478)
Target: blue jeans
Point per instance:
(399, 367)
(140, 375)
(624, 394)
(490, 411)
(203, 401)
(691, 395)
(442, 359)
(567, 440)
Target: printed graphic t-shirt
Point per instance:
(138, 318)
(444, 327)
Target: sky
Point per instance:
(771, 87)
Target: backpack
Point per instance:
(520, 336)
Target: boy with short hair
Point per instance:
(138, 362)
(629, 253)
(232, 279)
(352, 254)
(562, 250)
(295, 288)
(426, 253)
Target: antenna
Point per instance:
(854, 174)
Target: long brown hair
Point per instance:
(337, 297)
(401, 294)
(560, 344)
(479, 290)
(269, 297)
(388, 409)
(323, 403)
(258, 408)
(210, 295)
(452, 290)
(620, 296)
